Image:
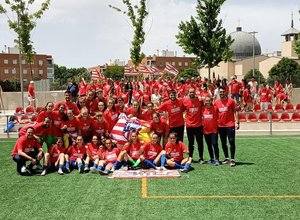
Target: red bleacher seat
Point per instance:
(252, 117)
(270, 108)
(285, 116)
(263, 117)
(33, 119)
(297, 107)
(296, 116)
(289, 107)
(29, 110)
(256, 107)
(275, 117)
(279, 108)
(242, 117)
(19, 110)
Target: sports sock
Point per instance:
(86, 166)
(79, 165)
(178, 166)
(100, 167)
(187, 166)
(163, 160)
(60, 166)
(137, 163)
(95, 165)
(68, 165)
(117, 164)
(149, 163)
(106, 171)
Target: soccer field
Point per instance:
(265, 184)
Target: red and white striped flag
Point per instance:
(171, 69)
(130, 71)
(96, 75)
(155, 71)
(145, 69)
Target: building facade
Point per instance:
(41, 68)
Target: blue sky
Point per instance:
(88, 33)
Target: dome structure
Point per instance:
(242, 46)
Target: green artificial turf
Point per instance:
(266, 166)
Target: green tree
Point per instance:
(62, 75)
(285, 69)
(205, 37)
(114, 72)
(24, 23)
(188, 73)
(258, 76)
(137, 15)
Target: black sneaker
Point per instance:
(232, 163)
(225, 162)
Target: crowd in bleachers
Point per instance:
(77, 130)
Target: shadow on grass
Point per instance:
(244, 163)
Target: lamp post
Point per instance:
(253, 51)
(20, 66)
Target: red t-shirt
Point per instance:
(31, 92)
(132, 112)
(277, 88)
(193, 112)
(44, 114)
(134, 150)
(72, 126)
(55, 151)
(176, 151)
(85, 125)
(99, 128)
(147, 116)
(26, 145)
(68, 106)
(175, 112)
(226, 109)
(210, 120)
(82, 88)
(39, 130)
(264, 94)
(111, 117)
(160, 128)
(56, 123)
(94, 150)
(247, 96)
(76, 152)
(146, 97)
(111, 156)
(151, 150)
(235, 86)
(124, 96)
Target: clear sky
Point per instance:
(85, 33)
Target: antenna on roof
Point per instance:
(292, 22)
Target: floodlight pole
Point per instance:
(253, 51)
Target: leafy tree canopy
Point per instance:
(285, 69)
(258, 76)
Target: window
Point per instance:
(25, 80)
(15, 61)
(13, 71)
(49, 70)
(179, 63)
(6, 71)
(23, 61)
(41, 72)
(5, 61)
(167, 63)
(40, 63)
(32, 71)
(25, 71)
(186, 64)
(173, 63)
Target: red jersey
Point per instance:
(111, 156)
(94, 150)
(226, 110)
(85, 125)
(82, 89)
(69, 105)
(76, 152)
(134, 150)
(99, 128)
(55, 151)
(277, 88)
(26, 145)
(124, 96)
(31, 92)
(247, 96)
(210, 120)
(147, 116)
(56, 123)
(176, 151)
(146, 97)
(91, 105)
(44, 114)
(132, 112)
(72, 126)
(235, 86)
(175, 112)
(160, 128)
(39, 130)
(111, 117)
(264, 94)
(193, 112)
(151, 150)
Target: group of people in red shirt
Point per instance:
(78, 134)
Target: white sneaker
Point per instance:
(44, 172)
(60, 172)
(23, 169)
(157, 168)
(163, 168)
(93, 170)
